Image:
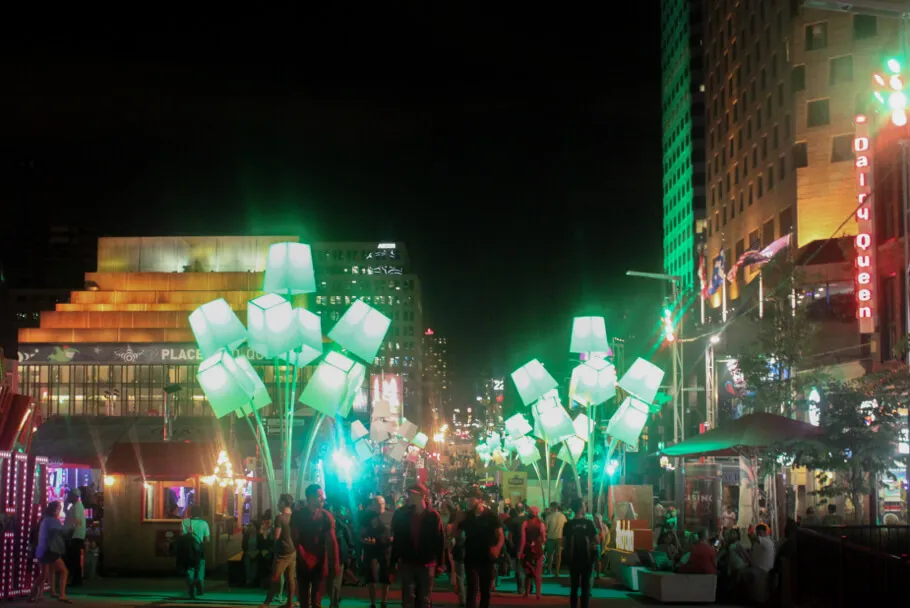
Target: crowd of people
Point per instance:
(305, 549)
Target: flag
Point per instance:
(753, 256)
(717, 277)
(701, 275)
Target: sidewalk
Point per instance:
(171, 592)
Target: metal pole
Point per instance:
(761, 295)
(166, 434)
(591, 443)
(710, 392)
(905, 186)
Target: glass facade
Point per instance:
(121, 389)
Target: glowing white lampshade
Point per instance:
(589, 335)
(593, 382)
(226, 384)
(356, 378)
(215, 326)
(628, 421)
(517, 426)
(361, 330)
(363, 450)
(407, 429)
(495, 441)
(642, 380)
(582, 424)
(527, 450)
(260, 397)
(420, 440)
(555, 423)
(309, 326)
(272, 325)
(532, 381)
(571, 450)
(289, 269)
(381, 431)
(334, 384)
(398, 451)
(358, 430)
(508, 444)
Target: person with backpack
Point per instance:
(580, 546)
(313, 530)
(195, 533)
(530, 550)
(285, 554)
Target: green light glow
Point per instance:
(894, 65)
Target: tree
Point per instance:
(861, 433)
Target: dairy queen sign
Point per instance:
(864, 266)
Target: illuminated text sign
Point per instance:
(865, 243)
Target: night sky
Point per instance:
(518, 158)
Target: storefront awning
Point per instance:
(175, 460)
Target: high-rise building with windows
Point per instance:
(380, 274)
(784, 82)
(682, 104)
(436, 376)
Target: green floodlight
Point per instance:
(334, 385)
(593, 382)
(628, 421)
(589, 335)
(230, 386)
(361, 330)
(215, 326)
(289, 269)
(309, 326)
(517, 426)
(272, 325)
(642, 380)
(532, 381)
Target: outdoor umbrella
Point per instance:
(751, 432)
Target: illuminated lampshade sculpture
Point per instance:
(407, 429)
(361, 330)
(334, 384)
(517, 426)
(289, 269)
(571, 450)
(420, 440)
(527, 451)
(358, 430)
(215, 326)
(532, 381)
(553, 423)
(260, 397)
(628, 421)
(642, 380)
(581, 424)
(309, 326)
(228, 386)
(589, 335)
(593, 382)
(272, 325)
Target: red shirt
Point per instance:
(701, 560)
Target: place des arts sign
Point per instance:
(140, 353)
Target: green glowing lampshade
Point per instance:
(628, 421)
(495, 441)
(527, 450)
(228, 386)
(260, 397)
(642, 380)
(508, 444)
(407, 429)
(593, 382)
(272, 325)
(361, 330)
(581, 424)
(358, 430)
(517, 426)
(589, 335)
(310, 327)
(571, 450)
(289, 269)
(215, 326)
(363, 450)
(420, 440)
(555, 423)
(334, 384)
(532, 381)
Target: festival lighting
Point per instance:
(642, 380)
(272, 326)
(215, 326)
(668, 326)
(593, 382)
(551, 422)
(890, 91)
(309, 327)
(228, 386)
(628, 421)
(517, 426)
(361, 330)
(589, 335)
(289, 269)
(334, 384)
(532, 381)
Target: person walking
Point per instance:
(284, 563)
(345, 552)
(513, 541)
(580, 547)
(75, 527)
(313, 531)
(455, 542)
(195, 533)
(418, 546)
(376, 536)
(49, 550)
(556, 519)
(530, 550)
(483, 542)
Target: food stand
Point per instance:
(23, 493)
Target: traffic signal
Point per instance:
(890, 91)
(669, 330)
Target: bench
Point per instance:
(673, 587)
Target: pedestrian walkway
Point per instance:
(171, 593)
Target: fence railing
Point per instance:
(893, 540)
(834, 572)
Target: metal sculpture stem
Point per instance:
(547, 451)
(290, 396)
(592, 427)
(539, 478)
(305, 463)
(611, 447)
(262, 441)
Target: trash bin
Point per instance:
(91, 562)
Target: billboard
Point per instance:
(388, 388)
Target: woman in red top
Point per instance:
(530, 552)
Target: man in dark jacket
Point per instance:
(418, 546)
(313, 529)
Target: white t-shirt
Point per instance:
(198, 528)
(555, 523)
(75, 520)
(763, 554)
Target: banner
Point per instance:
(134, 353)
(514, 483)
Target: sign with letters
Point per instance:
(864, 266)
(132, 353)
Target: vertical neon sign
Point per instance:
(864, 287)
